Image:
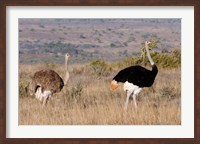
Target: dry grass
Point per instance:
(87, 100)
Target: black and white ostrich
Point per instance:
(135, 78)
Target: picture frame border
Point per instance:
(6, 3)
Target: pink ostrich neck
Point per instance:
(148, 54)
(66, 70)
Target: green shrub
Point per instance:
(76, 91)
(100, 68)
(23, 88)
(168, 60)
(164, 60)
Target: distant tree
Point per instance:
(42, 26)
(82, 36)
(112, 45)
(32, 30)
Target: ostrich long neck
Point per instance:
(66, 61)
(66, 71)
(148, 54)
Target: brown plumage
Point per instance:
(47, 82)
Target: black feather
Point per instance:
(137, 75)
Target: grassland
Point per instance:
(88, 100)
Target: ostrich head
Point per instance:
(67, 55)
(147, 42)
(114, 85)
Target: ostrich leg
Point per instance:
(129, 92)
(134, 100)
(136, 92)
(38, 94)
(45, 100)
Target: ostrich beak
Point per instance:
(114, 85)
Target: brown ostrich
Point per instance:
(47, 82)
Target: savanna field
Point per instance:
(100, 49)
(88, 100)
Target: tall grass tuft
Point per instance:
(100, 68)
(76, 91)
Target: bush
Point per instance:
(100, 68)
(23, 88)
(167, 92)
(168, 60)
(76, 91)
(164, 60)
(129, 61)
